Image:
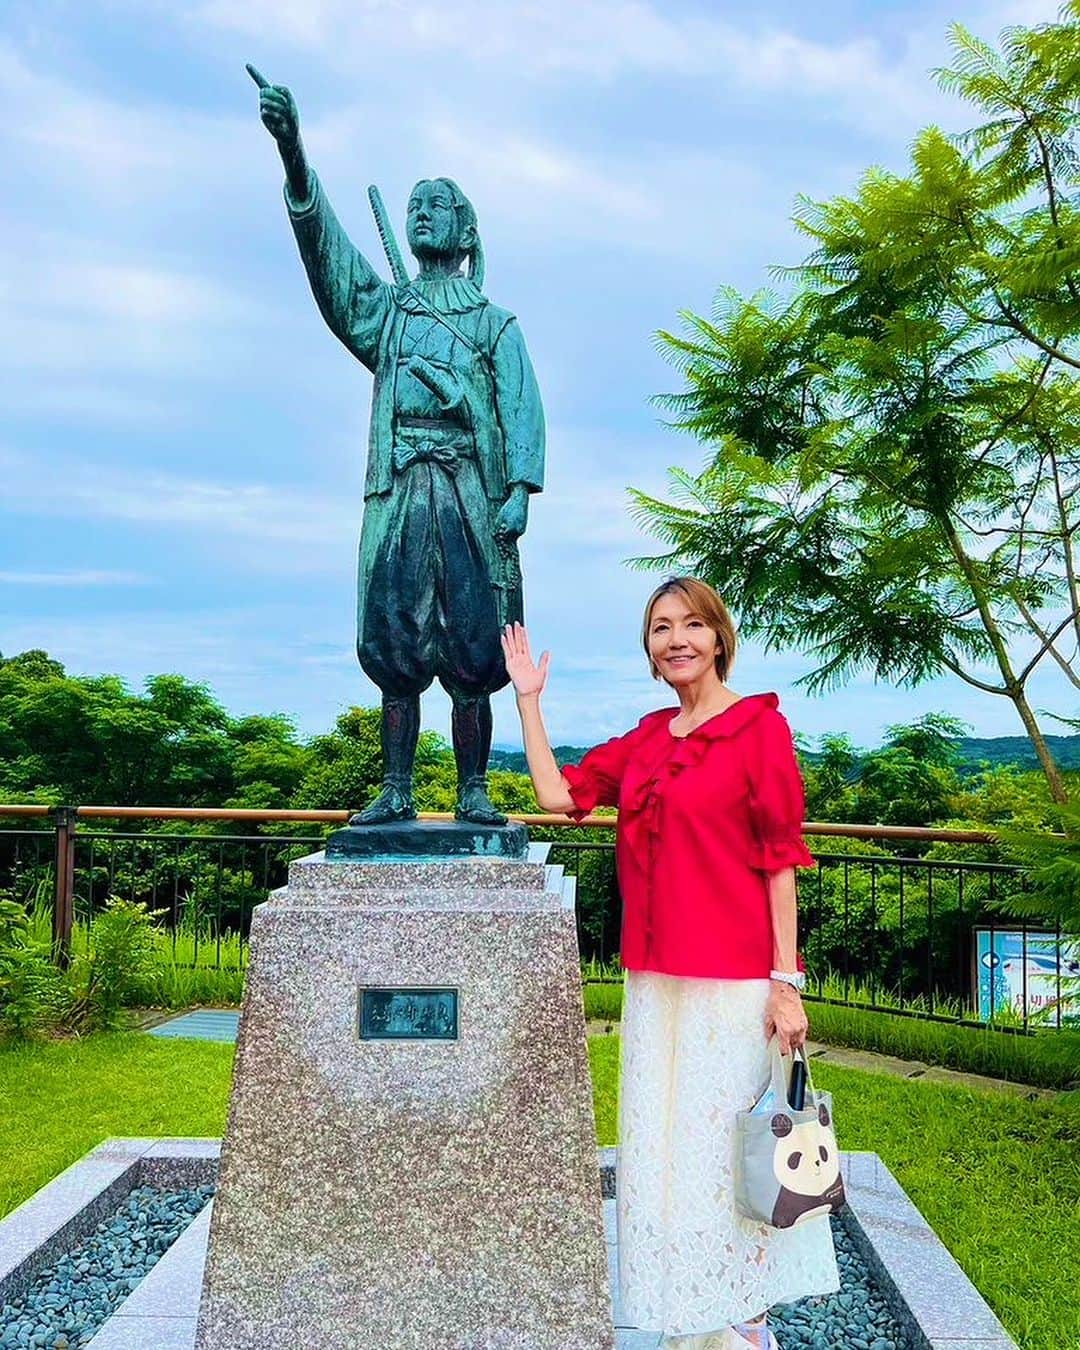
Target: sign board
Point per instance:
(1027, 972)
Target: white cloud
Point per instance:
(581, 515)
(531, 45)
(640, 197)
(317, 524)
(523, 171)
(112, 154)
(1027, 12)
(67, 306)
(655, 140)
(583, 509)
(604, 40)
(109, 265)
(87, 577)
(81, 400)
(140, 294)
(58, 126)
(256, 658)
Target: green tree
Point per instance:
(269, 763)
(82, 740)
(913, 778)
(830, 778)
(893, 480)
(435, 784)
(998, 794)
(346, 765)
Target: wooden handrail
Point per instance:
(206, 813)
(816, 829)
(826, 828)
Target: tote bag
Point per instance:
(787, 1167)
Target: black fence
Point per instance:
(884, 923)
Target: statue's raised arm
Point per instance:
(351, 296)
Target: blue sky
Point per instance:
(181, 450)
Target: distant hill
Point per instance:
(514, 760)
(975, 751)
(1017, 750)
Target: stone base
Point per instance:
(930, 1295)
(427, 839)
(411, 1194)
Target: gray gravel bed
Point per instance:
(69, 1300)
(857, 1317)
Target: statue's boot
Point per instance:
(399, 732)
(474, 805)
(394, 802)
(470, 726)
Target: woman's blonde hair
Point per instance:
(703, 601)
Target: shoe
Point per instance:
(392, 803)
(474, 806)
(750, 1336)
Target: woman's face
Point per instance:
(681, 643)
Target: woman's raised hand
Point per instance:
(528, 678)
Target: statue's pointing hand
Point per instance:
(277, 108)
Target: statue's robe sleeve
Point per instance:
(519, 409)
(352, 297)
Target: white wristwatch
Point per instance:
(796, 978)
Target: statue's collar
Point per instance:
(449, 295)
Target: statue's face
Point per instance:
(432, 226)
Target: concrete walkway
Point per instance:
(871, 1062)
(202, 1024)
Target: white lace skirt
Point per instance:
(694, 1053)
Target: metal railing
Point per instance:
(883, 929)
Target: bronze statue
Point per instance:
(455, 448)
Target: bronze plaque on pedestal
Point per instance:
(408, 1014)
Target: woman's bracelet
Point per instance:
(795, 978)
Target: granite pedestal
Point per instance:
(394, 1193)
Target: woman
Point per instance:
(710, 807)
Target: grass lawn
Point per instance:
(997, 1177)
(59, 1099)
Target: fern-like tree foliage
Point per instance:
(893, 481)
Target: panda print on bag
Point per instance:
(807, 1167)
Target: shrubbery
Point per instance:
(33, 992)
(118, 966)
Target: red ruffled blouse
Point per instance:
(703, 820)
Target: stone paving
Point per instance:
(914, 1069)
(204, 1024)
